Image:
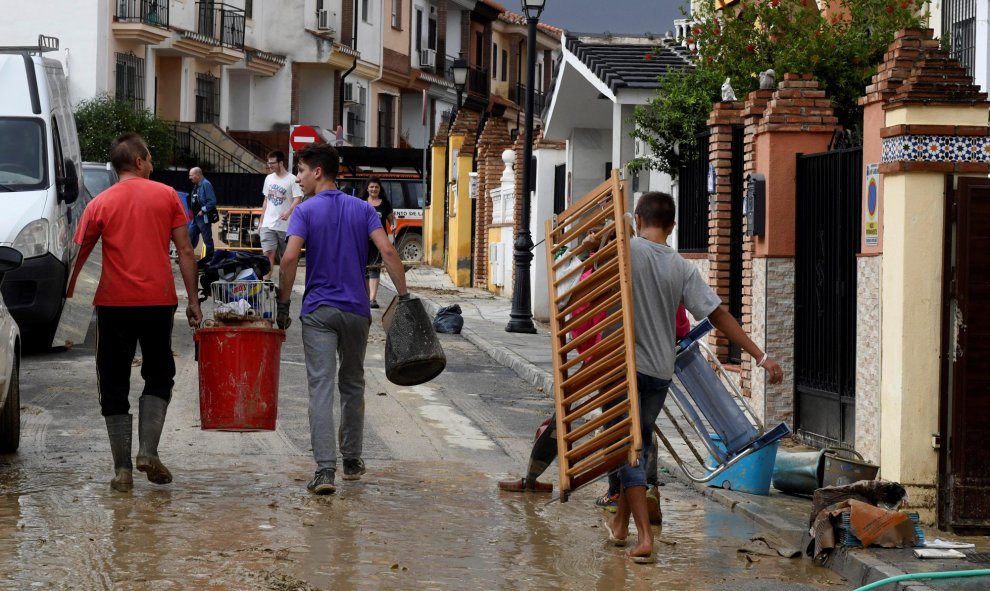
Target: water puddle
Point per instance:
(417, 526)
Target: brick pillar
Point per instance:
(466, 35)
(889, 77)
(494, 140)
(935, 124)
(515, 73)
(724, 118)
(347, 23)
(798, 119)
(752, 113)
(441, 33)
(338, 103)
(294, 94)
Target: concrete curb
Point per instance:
(860, 568)
(793, 535)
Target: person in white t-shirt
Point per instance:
(282, 194)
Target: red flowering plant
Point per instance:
(841, 46)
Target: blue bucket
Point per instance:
(751, 474)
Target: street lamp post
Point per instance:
(460, 71)
(521, 315)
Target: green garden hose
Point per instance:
(952, 574)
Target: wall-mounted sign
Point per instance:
(755, 204)
(473, 184)
(872, 218)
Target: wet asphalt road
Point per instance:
(427, 514)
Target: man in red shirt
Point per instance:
(136, 301)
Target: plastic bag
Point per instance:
(448, 320)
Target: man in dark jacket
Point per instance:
(202, 200)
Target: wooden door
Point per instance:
(965, 478)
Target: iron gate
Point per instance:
(829, 196)
(736, 238)
(692, 198)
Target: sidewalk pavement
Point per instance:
(786, 516)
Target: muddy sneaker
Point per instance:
(608, 502)
(353, 468)
(653, 505)
(322, 483)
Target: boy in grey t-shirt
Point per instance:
(661, 280)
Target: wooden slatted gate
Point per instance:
(590, 444)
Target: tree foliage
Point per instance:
(841, 47)
(101, 119)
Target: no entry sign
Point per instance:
(303, 135)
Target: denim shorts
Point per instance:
(652, 394)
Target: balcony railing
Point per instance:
(149, 12)
(193, 148)
(503, 206)
(477, 81)
(222, 22)
(519, 97)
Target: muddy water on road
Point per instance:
(405, 526)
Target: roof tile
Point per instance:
(628, 63)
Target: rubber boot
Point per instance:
(150, 424)
(119, 428)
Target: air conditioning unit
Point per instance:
(427, 58)
(350, 92)
(323, 18)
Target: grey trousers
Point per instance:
(328, 333)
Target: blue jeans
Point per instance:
(200, 225)
(652, 394)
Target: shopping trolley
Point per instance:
(719, 418)
(243, 300)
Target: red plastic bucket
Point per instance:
(238, 377)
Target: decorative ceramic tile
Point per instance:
(936, 148)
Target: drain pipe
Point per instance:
(955, 574)
(340, 95)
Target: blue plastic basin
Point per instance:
(750, 475)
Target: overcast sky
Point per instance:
(615, 16)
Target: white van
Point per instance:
(41, 191)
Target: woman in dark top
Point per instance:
(375, 196)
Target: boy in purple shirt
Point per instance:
(335, 228)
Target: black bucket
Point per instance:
(413, 354)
